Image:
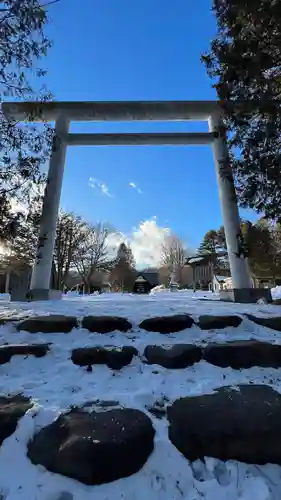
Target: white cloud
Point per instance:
(134, 186)
(104, 189)
(146, 242)
(94, 183)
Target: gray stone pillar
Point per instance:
(231, 221)
(41, 274)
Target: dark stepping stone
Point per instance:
(167, 324)
(113, 357)
(94, 448)
(7, 351)
(240, 423)
(218, 322)
(11, 410)
(9, 319)
(176, 356)
(276, 302)
(101, 403)
(243, 354)
(48, 324)
(273, 323)
(106, 324)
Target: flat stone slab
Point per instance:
(242, 423)
(246, 295)
(175, 356)
(243, 354)
(11, 410)
(276, 302)
(106, 324)
(7, 351)
(94, 448)
(48, 324)
(167, 324)
(9, 319)
(113, 357)
(217, 322)
(274, 322)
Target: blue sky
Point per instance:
(136, 50)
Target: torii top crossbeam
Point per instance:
(111, 111)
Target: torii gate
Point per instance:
(65, 112)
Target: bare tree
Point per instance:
(173, 255)
(91, 254)
(70, 236)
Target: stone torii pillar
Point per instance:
(241, 281)
(41, 274)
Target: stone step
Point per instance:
(241, 423)
(94, 448)
(11, 410)
(274, 323)
(208, 322)
(173, 356)
(97, 445)
(114, 357)
(243, 354)
(106, 324)
(160, 324)
(54, 323)
(240, 354)
(102, 441)
(7, 351)
(167, 324)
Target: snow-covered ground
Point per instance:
(55, 384)
(276, 292)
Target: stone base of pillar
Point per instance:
(41, 294)
(37, 294)
(245, 295)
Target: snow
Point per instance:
(276, 292)
(157, 289)
(55, 383)
(4, 296)
(221, 278)
(195, 259)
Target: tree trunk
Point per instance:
(7, 280)
(87, 286)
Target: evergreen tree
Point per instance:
(123, 272)
(244, 62)
(22, 242)
(262, 244)
(209, 243)
(125, 255)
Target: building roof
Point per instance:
(140, 279)
(221, 278)
(195, 259)
(150, 276)
(199, 260)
